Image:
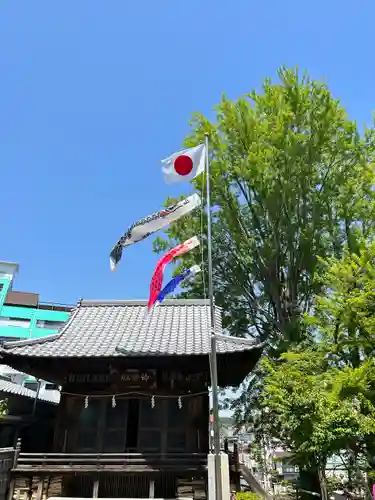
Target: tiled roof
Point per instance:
(49, 396)
(8, 371)
(123, 328)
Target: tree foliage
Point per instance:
(289, 176)
(320, 399)
(293, 252)
(3, 407)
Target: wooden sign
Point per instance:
(137, 378)
(87, 378)
(130, 379)
(189, 380)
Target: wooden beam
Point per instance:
(180, 469)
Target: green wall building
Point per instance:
(23, 316)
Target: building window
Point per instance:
(3, 340)
(289, 469)
(51, 387)
(17, 322)
(48, 325)
(33, 386)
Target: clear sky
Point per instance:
(94, 93)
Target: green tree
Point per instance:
(3, 407)
(291, 182)
(289, 176)
(311, 408)
(344, 319)
(320, 398)
(344, 315)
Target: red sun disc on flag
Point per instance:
(183, 165)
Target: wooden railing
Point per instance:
(129, 462)
(6, 464)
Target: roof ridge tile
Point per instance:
(179, 328)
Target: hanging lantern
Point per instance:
(113, 401)
(86, 402)
(179, 402)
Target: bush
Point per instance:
(246, 495)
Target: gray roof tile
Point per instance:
(123, 328)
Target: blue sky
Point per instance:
(94, 93)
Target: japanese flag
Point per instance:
(184, 165)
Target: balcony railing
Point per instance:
(124, 462)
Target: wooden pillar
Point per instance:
(48, 481)
(39, 493)
(237, 466)
(226, 446)
(30, 489)
(11, 489)
(65, 442)
(95, 490)
(16, 453)
(151, 490)
(14, 465)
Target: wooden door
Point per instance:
(150, 425)
(177, 426)
(88, 427)
(115, 429)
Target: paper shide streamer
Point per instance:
(151, 224)
(158, 275)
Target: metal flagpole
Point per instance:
(213, 357)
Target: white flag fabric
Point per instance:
(184, 165)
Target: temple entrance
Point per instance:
(132, 424)
(135, 425)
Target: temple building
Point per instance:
(134, 412)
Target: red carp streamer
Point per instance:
(158, 275)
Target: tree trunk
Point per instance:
(308, 483)
(323, 484)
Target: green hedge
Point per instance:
(246, 495)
